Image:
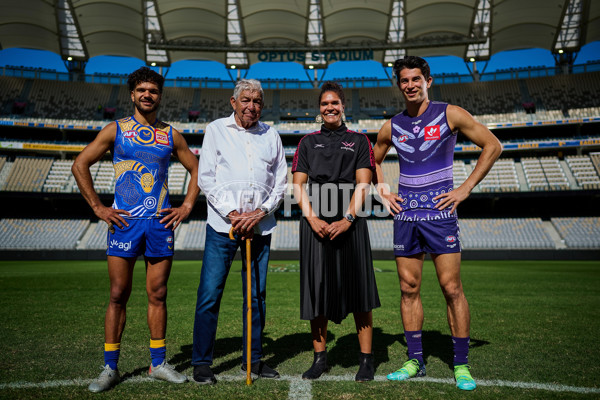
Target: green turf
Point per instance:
(532, 321)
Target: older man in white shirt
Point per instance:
(243, 174)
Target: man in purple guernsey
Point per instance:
(425, 220)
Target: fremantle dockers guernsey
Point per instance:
(141, 158)
(425, 147)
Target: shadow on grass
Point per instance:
(435, 344)
(343, 353)
(275, 351)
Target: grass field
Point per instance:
(534, 334)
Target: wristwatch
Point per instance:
(349, 217)
(265, 210)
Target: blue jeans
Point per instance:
(219, 252)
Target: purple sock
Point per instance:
(461, 350)
(415, 347)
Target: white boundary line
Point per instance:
(301, 389)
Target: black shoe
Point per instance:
(260, 369)
(318, 366)
(366, 372)
(203, 375)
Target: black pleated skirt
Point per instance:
(336, 276)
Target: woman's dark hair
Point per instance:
(334, 87)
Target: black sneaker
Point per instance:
(262, 370)
(203, 375)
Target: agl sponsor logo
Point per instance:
(125, 246)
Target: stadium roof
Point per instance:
(312, 32)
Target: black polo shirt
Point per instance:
(328, 156)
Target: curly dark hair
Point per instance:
(412, 62)
(145, 74)
(330, 86)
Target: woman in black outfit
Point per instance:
(336, 268)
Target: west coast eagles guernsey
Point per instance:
(141, 156)
(425, 147)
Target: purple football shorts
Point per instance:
(438, 236)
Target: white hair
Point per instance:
(252, 85)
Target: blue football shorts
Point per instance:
(439, 236)
(145, 236)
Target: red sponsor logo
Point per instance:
(130, 134)
(162, 137)
(432, 132)
(402, 138)
(170, 239)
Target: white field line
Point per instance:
(301, 389)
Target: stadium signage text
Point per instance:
(590, 142)
(327, 56)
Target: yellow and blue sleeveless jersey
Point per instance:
(141, 156)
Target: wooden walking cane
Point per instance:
(248, 308)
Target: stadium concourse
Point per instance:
(539, 201)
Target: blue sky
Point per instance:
(273, 70)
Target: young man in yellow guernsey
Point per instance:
(141, 219)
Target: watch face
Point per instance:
(349, 217)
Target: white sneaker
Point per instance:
(108, 378)
(166, 372)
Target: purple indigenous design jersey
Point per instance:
(141, 157)
(425, 147)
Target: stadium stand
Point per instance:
(77, 100)
(194, 236)
(510, 233)
(31, 234)
(94, 237)
(28, 174)
(545, 173)
(538, 169)
(501, 178)
(555, 174)
(299, 102)
(583, 232)
(178, 178)
(595, 157)
(539, 173)
(60, 178)
(488, 233)
(561, 93)
(584, 172)
(286, 236)
(459, 171)
(381, 233)
(377, 100)
(481, 98)
(104, 178)
(498, 101)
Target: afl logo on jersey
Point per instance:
(130, 134)
(450, 238)
(162, 137)
(432, 132)
(402, 138)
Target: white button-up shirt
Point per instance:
(243, 170)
